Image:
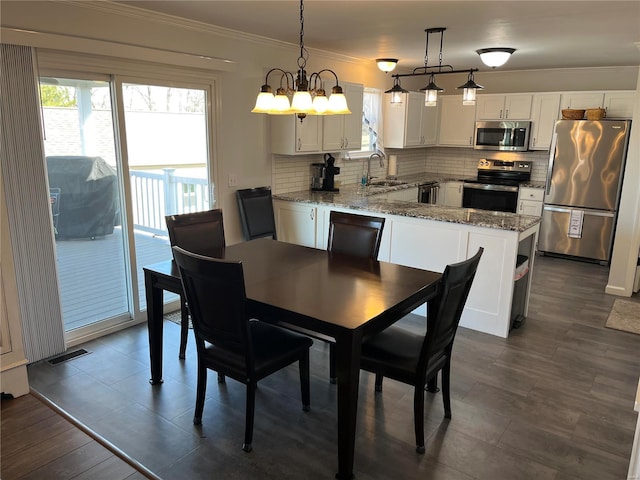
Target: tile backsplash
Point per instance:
(293, 173)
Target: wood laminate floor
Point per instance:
(553, 401)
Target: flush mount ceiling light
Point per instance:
(306, 100)
(495, 57)
(431, 90)
(387, 64)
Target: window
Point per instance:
(371, 122)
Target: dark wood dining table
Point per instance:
(327, 295)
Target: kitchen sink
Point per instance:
(387, 183)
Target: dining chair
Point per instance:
(256, 213)
(228, 341)
(353, 234)
(357, 235)
(197, 232)
(416, 359)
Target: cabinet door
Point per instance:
(308, 134)
(393, 118)
(453, 194)
(528, 207)
(353, 122)
(581, 100)
(619, 104)
(289, 136)
(406, 195)
(490, 107)
(517, 107)
(413, 122)
(543, 119)
(333, 132)
(457, 122)
(296, 223)
(429, 125)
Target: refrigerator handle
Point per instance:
(552, 155)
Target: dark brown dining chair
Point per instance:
(256, 213)
(416, 359)
(357, 235)
(198, 232)
(353, 234)
(227, 340)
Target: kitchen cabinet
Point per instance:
(457, 122)
(290, 136)
(619, 104)
(409, 124)
(300, 223)
(504, 107)
(344, 132)
(544, 114)
(530, 201)
(450, 194)
(580, 100)
(406, 195)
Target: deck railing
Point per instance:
(155, 195)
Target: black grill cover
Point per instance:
(88, 196)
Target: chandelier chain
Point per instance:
(302, 59)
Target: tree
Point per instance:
(56, 96)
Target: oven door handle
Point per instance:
(490, 186)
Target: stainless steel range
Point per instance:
(496, 185)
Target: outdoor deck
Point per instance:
(92, 275)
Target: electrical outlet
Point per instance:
(233, 180)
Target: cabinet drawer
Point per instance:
(532, 194)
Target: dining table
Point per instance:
(330, 296)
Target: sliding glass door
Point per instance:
(120, 156)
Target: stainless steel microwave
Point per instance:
(506, 136)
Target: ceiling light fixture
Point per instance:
(305, 101)
(387, 64)
(431, 90)
(495, 57)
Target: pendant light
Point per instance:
(305, 101)
(431, 90)
(495, 57)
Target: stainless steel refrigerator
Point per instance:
(582, 193)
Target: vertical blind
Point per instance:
(28, 208)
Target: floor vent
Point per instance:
(67, 356)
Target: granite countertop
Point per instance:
(350, 197)
(533, 184)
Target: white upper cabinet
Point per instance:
(344, 132)
(409, 124)
(504, 107)
(619, 104)
(290, 136)
(457, 122)
(544, 113)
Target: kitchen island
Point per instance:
(431, 237)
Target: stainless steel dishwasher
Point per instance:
(428, 193)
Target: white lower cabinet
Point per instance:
(450, 194)
(406, 195)
(300, 223)
(530, 201)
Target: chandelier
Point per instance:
(431, 90)
(308, 94)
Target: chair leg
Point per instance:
(184, 327)
(248, 425)
(432, 385)
(303, 366)
(332, 363)
(418, 417)
(379, 377)
(201, 390)
(446, 395)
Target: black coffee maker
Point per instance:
(330, 171)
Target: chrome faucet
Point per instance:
(380, 157)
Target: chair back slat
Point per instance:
(216, 295)
(357, 235)
(256, 212)
(198, 232)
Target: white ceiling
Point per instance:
(546, 34)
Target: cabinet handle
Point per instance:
(470, 140)
(521, 205)
(346, 142)
(299, 144)
(506, 115)
(534, 141)
(500, 113)
(311, 214)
